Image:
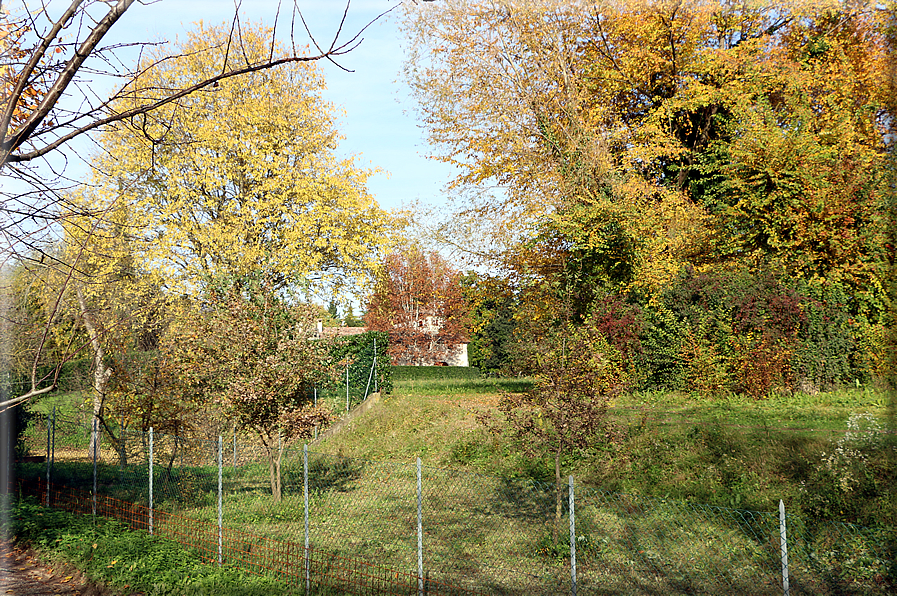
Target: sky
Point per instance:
(379, 125)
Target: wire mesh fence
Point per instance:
(369, 527)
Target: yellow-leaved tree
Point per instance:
(50, 56)
(237, 181)
(646, 136)
(242, 176)
(513, 94)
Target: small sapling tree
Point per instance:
(261, 363)
(577, 373)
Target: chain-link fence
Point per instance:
(386, 527)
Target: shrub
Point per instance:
(431, 373)
(854, 477)
(360, 350)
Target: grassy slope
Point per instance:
(728, 452)
(731, 453)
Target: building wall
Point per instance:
(454, 357)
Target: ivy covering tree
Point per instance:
(638, 142)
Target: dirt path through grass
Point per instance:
(22, 574)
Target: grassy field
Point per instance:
(660, 509)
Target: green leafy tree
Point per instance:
(351, 320)
(492, 307)
(250, 351)
(331, 315)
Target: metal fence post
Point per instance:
(235, 448)
(305, 496)
(121, 454)
(53, 443)
(96, 444)
(368, 386)
(49, 423)
(347, 386)
(572, 540)
(420, 536)
(220, 502)
(375, 365)
(783, 538)
(151, 480)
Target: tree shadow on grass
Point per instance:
(336, 474)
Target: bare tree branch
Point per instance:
(30, 130)
(12, 142)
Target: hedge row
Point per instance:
(747, 334)
(360, 350)
(425, 373)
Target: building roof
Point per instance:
(343, 331)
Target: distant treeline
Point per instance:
(742, 333)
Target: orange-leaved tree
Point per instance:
(418, 300)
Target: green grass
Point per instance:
(130, 561)
(68, 404)
(420, 373)
(737, 453)
(491, 531)
(725, 452)
(458, 387)
(488, 515)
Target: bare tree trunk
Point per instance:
(275, 453)
(101, 374)
(279, 492)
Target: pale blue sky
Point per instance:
(379, 125)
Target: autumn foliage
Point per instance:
(249, 351)
(642, 143)
(244, 176)
(12, 56)
(419, 302)
(577, 374)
